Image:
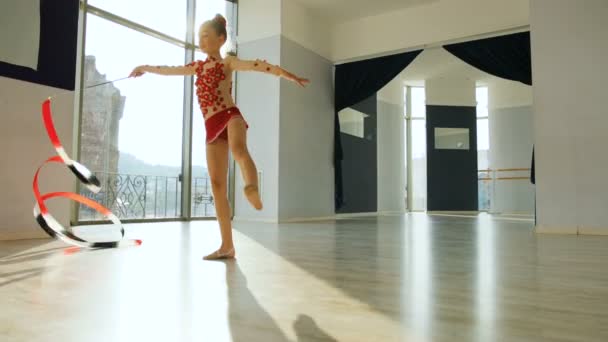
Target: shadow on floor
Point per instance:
(13, 277)
(13, 247)
(250, 322)
(27, 257)
(307, 330)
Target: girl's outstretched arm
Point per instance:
(184, 70)
(236, 64)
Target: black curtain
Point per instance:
(504, 56)
(355, 82)
(532, 174)
(57, 47)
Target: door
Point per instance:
(451, 133)
(359, 157)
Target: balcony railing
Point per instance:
(147, 197)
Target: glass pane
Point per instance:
(485, 191)
(483, 156)
(483, 135)
(405, 161)
(419, 164)
(405, 101)
(168, 17)
(418, 102)
(447, 138)
(482, 102)
(207, 9)
(131, 133)
(202, 196)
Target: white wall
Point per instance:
(306, 174)
(25, 146)
(450, 90)
(302, 26)
(438, 21)
(291, 129)
(511, 133)
(392, 92)
(258, 97)
(569, 54)
(391, 148)
(258, 19)
(507, 94)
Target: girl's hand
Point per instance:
(301, 81)
(138, 71)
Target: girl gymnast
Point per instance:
(225, 126)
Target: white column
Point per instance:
(291, 134)
(391, 148)
(569, 51)
(258, 95)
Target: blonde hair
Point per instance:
(218, 23)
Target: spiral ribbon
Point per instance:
(44, 218)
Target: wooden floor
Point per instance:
(402, 278)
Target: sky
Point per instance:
(151, 126)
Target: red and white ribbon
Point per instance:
(48, 223)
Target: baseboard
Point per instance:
(356, 215)
(450, 212)
(317, 219)
(324, 218)
(259, 220)
(542, 229)
(517, 213)
(511, 213)
(391, 213)
(593, 231)
(308, 219)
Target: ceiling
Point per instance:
(437, 63)
(431, 63)
(345, 10)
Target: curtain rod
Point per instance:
(491, 34)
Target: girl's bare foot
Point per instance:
(253, 196)
(221, 254)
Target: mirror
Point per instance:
(451, 138)
(352, 122)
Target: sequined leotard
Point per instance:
(214, 90)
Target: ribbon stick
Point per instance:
(46, 221)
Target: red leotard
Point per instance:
(214, 91)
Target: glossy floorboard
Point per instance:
(401, 278)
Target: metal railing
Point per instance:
(202, 198)
(131, 196)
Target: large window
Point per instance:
(168, 17)
(416, 119)
(483, 148)
(133, 135)
(406, 143)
